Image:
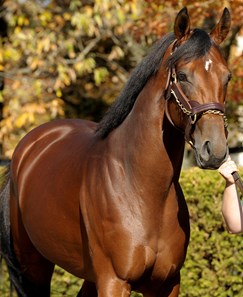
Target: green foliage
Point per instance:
(214, 260)
(4, 281)
(64, 284)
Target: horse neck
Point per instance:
(140, 138)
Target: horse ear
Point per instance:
(182, 24)
(219, 33)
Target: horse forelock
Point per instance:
(139, 77)
(197, 46)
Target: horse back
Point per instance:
(51, 138)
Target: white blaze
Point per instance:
(208, 64)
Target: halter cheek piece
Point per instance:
(193, 109)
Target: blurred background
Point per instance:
(71, 58)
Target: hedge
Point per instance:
(214, 263)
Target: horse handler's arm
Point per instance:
(232, 209)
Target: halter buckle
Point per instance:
(174, 75)
(193, 119)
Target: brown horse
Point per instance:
(103, 201)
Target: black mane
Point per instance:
(198, 45)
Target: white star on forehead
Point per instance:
(208, 64)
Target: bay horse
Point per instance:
(103, 201)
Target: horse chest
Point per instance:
(134, 234)
(131, 260)
(169, 260)
(135, 248)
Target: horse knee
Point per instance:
(114, 287)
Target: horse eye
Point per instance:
(181, 76)
(229, 77)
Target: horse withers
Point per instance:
(103, 201)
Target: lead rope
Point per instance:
(239, 186)
(238, 181)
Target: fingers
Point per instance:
(226, 170)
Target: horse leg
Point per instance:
(29, 271)
(88, 290)
(32, 276)
(116, 289)
(113, 287)
(170, 288)
(34, 273)
(27, 286)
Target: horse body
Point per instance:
(106, 205)
(119, 175)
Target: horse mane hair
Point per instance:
(197, 46)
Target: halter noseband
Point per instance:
(191, 108)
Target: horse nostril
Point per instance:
(207, 149)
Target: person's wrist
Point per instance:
(229, 183)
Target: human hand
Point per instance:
(226, 170)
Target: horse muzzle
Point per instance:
(211, 154)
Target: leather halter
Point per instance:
(193, 109)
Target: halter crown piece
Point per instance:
(193, 109)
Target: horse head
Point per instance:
(196, 88)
